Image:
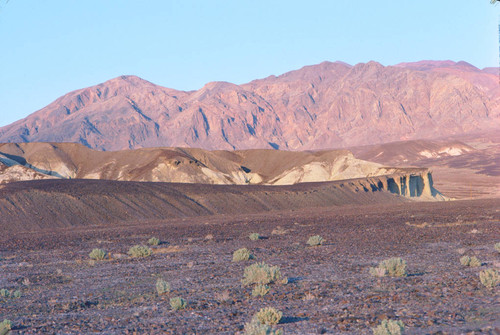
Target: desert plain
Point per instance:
(415, 176)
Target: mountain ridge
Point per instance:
(328, 105)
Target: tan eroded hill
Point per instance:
(188, 165)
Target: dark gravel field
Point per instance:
(329, 291)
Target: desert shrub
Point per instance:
(269, 316)
(140, 251)
(261, 273)
(279, 231)
(378, 272)
(389, 327)
(254, 327)
(254, 236)
(489, 277)
(10, 294)
(497, 246)
(154, 241)
(162, 286)
(470, 261)
(5, 327)
(177, 303)
(315, 240)
(260, 290)
(98, 254)
(242, 254)
(394, 267)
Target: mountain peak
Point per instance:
(328, 105)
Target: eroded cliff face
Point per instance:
(410, 183)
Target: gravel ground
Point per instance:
(329, 289)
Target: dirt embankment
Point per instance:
(47, 204)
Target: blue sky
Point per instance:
(48, 48)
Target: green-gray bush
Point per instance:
(261, 273)
(470, 261)
(260, 290)
(254, 236)
(140, 251)
(5, 327)
(389, 327)
(315, 240)
(177, 303)
(153, 241)
(254, 327)
(10, 294)
(242, 254)
(394, 267)
(269, 316)
(497, 246)
(162, 286)
(489, 277)
(98, 254)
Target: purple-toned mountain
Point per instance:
(329, 105)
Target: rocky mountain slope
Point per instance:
(330, 105)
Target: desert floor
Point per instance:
(329, 289)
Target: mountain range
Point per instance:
(329, 105)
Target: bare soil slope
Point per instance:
(51, 204)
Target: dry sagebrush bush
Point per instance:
(162, 286)
(154, 241)
(497, 246)
(242, 254)
(269, 316)
(260, 290)
(489, 277)
(389, 327)
(140, 251)
(470, 261)
(261, 273)
(393, 267)
(178, 303)
(254, 236)
(10, 294)
(98, 254)
(5, 327)
(315, 240)
(254, 327)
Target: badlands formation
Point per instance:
(28, 161)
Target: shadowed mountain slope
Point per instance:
(322, 106)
